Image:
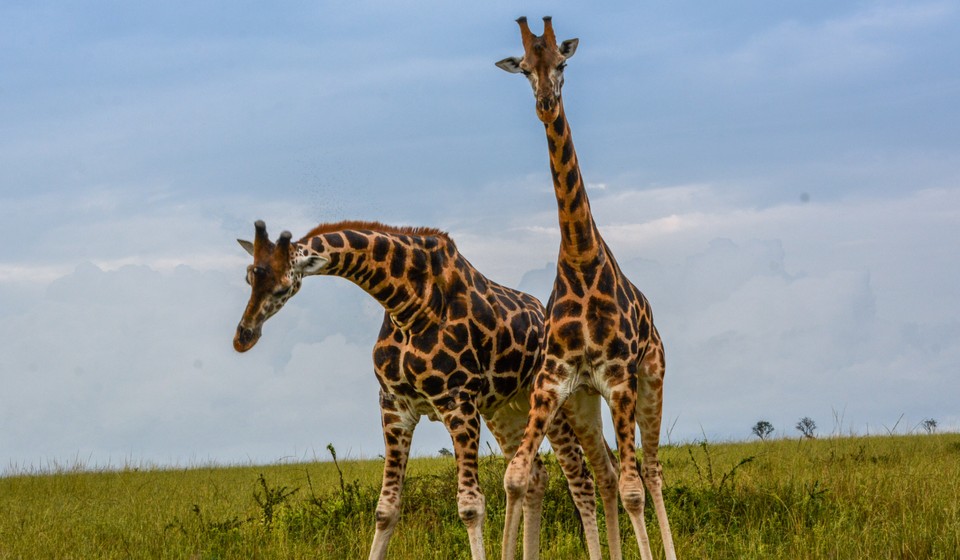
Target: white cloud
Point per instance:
(836, 49)
(775, 311)
(135, 364)
(786, 310)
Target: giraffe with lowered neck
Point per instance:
(454, 346)
(599, 331)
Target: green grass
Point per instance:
(859, 497)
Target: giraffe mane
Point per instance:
(373, 226)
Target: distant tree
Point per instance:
(444, 452)
(929, 425)
(807, 427)
(762, 429)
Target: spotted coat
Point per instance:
(599, 331)
(453, 346)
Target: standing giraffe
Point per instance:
(454, 346)
(599, 331)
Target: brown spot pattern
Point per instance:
(453, 346)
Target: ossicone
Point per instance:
(548, 30)
(526, 35)
(261, 232)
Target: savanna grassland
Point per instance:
(853, 497)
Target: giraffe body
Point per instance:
(454, 346)
(599, 331)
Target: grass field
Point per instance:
(854, 497)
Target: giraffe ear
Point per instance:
(568, 47)
(310, 264)
(246, 245)
(510, 64)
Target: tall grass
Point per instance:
(858, 497)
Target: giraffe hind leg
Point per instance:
(570, 455)
(583, 411)
(507, 425)
(649, 416)
(533, 509)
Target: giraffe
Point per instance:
(599, 332)
(453, 346)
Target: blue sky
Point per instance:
(780, 180)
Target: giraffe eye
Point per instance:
(561, 67)
(525, 73)
(254, 273)
(281, 292)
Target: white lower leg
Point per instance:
(472, 512)
(387, 516)
(515, 484)
(633, 496)
(654, 481)
(611, 513)
(532, 510)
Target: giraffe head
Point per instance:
(274, 278)
(542, 63)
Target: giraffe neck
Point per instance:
(580, 240)
(402, 272)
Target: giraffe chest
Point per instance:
(592, 327)
(596, 314)
(592, 341)
(575, 360)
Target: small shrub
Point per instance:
(271, 499)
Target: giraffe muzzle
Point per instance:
(547, 108)
(245, 338)
(545, 104)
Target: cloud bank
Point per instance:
(132, 362)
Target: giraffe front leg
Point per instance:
(649, 414)
(462, 420)
(398, 425)
(653, 478)
(545, 400)
(623, 401)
